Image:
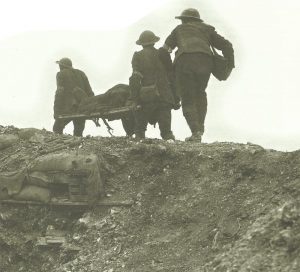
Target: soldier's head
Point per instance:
(147, 38)
(64, 63)
(189, 15)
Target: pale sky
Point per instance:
(259, 103)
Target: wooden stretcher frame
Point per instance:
(103, 203)
(105, 113)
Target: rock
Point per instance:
(283, 238)
(161, 149)
(290, 213)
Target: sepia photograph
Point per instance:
(142, 136)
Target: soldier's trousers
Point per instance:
(192, 76)
(79, 125)
(152, 113)
(128, 123)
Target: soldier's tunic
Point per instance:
(148, 69)
(193, 66)
(69, 83)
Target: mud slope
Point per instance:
(197, 207)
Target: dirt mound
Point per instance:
(197, 207)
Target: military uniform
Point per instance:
(148, 70)
(193, 65)
(72, 86)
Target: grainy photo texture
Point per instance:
(149, 136)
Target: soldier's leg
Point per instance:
(59, 125)
(164, 118)
(201, 98)
(187, 87)
(140, 124)
(79, 125)
(128, 123)
(201, 108)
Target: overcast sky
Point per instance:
(259, 103)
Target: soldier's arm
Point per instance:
(59, 81)
(166, 60)
(171, 42)
(58, 103)
(135, 79)
(224, 45)
(58, 99)
(88, 88)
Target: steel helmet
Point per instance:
(190, 13)
(66, 62)
(147, 37)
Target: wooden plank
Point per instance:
(125, 203)
(106, 113)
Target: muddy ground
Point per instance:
(196, 207)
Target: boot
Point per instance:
(169, 136)
(196, 137)
(170, 139)
(139, 136)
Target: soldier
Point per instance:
(72, 86)
(150, 87)
(193, 65)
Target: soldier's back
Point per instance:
(71, 78)
(149, 65)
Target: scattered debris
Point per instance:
(7, 140)
(171, 207)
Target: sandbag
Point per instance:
(63, 162)
(4, 194)
(38, 179)
(33, 193)
(69, 175)
(222, 67)
(70, 168)
(12, 182)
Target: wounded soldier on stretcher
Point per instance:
(114, 104)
